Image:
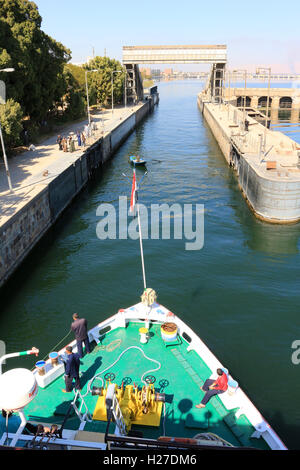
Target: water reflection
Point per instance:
(275, 239)
(260, 236)
(286, 121)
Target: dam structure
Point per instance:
(266, 162)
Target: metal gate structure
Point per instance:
(133, 56)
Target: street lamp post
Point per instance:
(112, 88)
(245, 87)
(229, 93)
(87, 94)
(7, 70)
(125, 89)
(259, 70)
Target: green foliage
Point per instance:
(44, 86)
(37, 58)
(100, 83)
(78, 73)
(148, 83)
(74, 96)
(11, 122)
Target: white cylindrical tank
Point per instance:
(18, 387)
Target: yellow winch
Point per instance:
(138, 406)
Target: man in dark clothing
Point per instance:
(59, 141)
(72, 370)
(79, 326)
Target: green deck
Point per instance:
(184, 372)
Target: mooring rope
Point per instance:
(55, 347)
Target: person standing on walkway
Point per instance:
(71, 144)
(26, 138)
(79, 327)
(83, 139)
(78, 139)
(214, 387)
(59, 142)
(72, 370)
(65, 144)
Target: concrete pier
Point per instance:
(266, 161)
(46, 181)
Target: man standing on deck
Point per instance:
(72, 370)
(79, 327)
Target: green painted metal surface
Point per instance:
(180, 377)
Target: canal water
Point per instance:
(240, 292)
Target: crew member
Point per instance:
(72, 370)
(214, 387)
(30, 428)
(80, 329)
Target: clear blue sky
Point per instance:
(256, 32)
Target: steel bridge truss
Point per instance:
(133, 56)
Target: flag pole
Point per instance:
(141, 239)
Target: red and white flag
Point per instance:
(133, 194)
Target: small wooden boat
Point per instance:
(137, 161)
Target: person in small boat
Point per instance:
(138, 158)
(72, 370)
(80, 329)
(214, 387)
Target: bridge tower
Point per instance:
(216, 82)
(134, 84)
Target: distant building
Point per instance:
(156, 73)
(146, 72)
(168, 72)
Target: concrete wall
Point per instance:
(22, 231)
(69, 183)
(271, 200)
(119, 135)
(218, 132)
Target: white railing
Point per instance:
(83, 417)
(43, 444)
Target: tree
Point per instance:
(74, 97)
(37, 58)
(11, 122)
(100, 83)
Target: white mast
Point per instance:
(140, 233)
